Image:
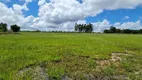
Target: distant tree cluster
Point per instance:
(126, 31)
(88, 28)
(14, 28)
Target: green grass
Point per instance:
(72, 54)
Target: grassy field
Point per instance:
(77, 56)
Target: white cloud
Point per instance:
(105, 24)
(14, 16)
(100, 26)
(81, 22)
(41, 2)
(63, 14)
(94, 7)
(26, 1)
(130, 25)
(125, 17)
(60, 11)
(18, 8)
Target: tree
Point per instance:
(126, 31)
(84, 27)
(135, 31)
(15, 28)
(76, 27)
(80, 28)
(112, 29)
(90, 28)
(3, 27)
(140, 31)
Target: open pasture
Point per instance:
(56, 56)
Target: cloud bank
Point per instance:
(63, 14)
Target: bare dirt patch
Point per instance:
(35, 72)
(115, 58)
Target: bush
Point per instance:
(15, 28)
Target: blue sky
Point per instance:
(33, 7)
(112, 14)
(118, 15)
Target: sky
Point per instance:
(61, 15)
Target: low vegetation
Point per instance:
(75, 56)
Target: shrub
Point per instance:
(15, 28)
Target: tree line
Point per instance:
(88, 28)
(13, 28)
(126, 31)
